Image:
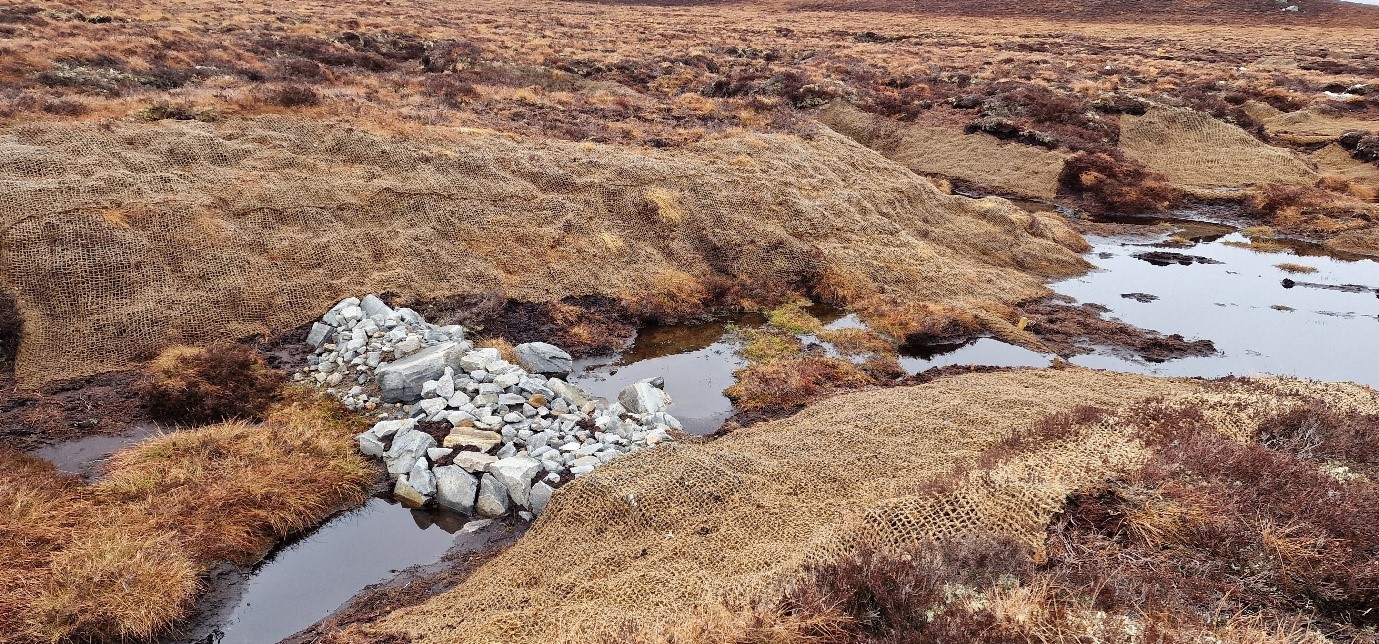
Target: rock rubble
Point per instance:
(512, 433)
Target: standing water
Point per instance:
(1262, 318)
(304, 581)
(1321, 324)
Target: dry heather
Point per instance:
(122, 559)
(121, 240)
(739, 521)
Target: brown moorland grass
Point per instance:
(1211, 538)
(196, 385)
(122, 558)
(856, 342)
(783, 385)
(410, 81)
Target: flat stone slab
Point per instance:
(470, 437)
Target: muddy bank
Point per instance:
(1078, 329)
(104, 404)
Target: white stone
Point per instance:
(402, 380)
(374, 307)
(456, 488)
(540, 496)
(543, 358)
(405, 451)
(319, 334)
(421, 479)
(476, 462)
(493, 498)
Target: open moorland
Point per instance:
(190, 190)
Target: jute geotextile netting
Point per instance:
(1195, 150)
(654, 538)
(121, 240)
(1010, 168)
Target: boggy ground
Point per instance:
(175, 172)
(122, 558)
(558, 104)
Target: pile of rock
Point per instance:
(509, 433)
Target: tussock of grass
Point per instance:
(766, 343)
(856, 342)
(793, 318)
(785, 384)
(921, 322)
(122, 558)
(208, 384)
(1259, 246)
(1290, 267)
(666, 203)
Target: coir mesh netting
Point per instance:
(120, 240)
(1195, 150)
(653, 539)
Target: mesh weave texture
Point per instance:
(122, 240)
(659, 535)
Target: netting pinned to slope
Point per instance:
(660, 535)
(1195, 150)
(121, 240)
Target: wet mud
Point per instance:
(106, 404)
(1076, 329)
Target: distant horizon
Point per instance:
(1369, 2)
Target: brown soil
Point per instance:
(1074, 330)
(102, 404)
(410, 587)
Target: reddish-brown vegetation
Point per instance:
(1213, 527)
(1110, 182)
(200, 385)
(121, 559)
(784, 385)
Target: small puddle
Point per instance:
(86, 456)
(305, 580)
(697, 362)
